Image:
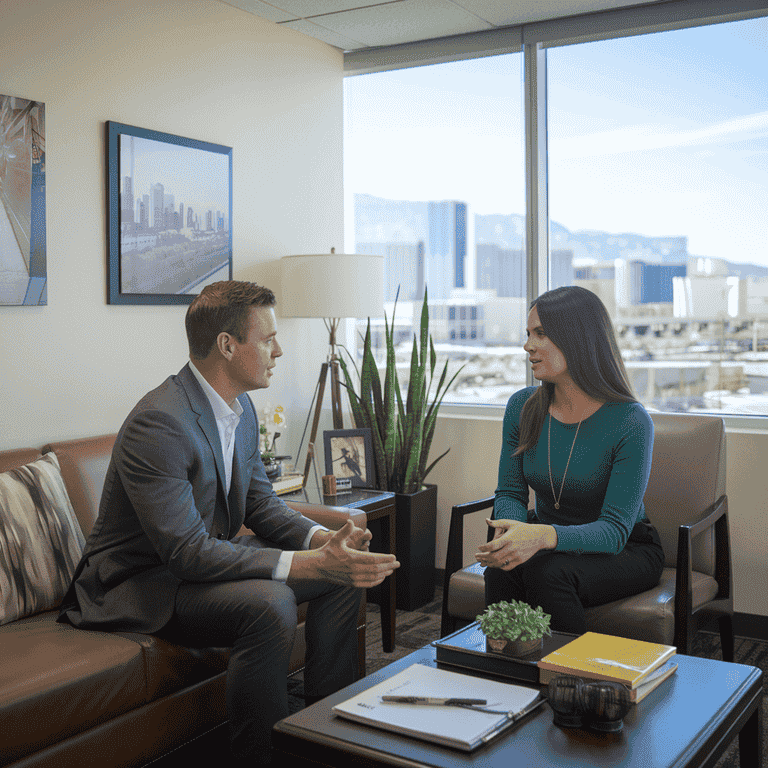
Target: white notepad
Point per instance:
(452, 726)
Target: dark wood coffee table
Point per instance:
(688, 722)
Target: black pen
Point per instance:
(432, 700)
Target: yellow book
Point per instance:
(648, 684)
(606, 657)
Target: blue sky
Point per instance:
(661, 135)
(198, 178)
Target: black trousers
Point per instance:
(257, 618)
(564, 584)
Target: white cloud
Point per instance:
(648, 137)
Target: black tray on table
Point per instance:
(466, 648)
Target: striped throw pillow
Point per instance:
(40, 539)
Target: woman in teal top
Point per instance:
(583, 443)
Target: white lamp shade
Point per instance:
(332, 285)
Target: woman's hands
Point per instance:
(513, 543)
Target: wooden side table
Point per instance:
(377, 505)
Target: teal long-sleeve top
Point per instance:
(607, 476)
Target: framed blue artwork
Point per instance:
(23, 265)
(169, 212)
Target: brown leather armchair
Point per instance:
(686, 501)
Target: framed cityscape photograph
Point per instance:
(23, 261)
(349, 454)
(169, 215)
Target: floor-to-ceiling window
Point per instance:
(434, 182)
(657, 191)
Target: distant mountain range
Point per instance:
(380, 220)
(508, 231)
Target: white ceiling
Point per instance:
(354, 24)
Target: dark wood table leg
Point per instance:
(389, 591)
(751, 747)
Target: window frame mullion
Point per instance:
(536, 174)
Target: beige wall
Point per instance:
(197, 68)
(469, 472)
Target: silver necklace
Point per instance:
(549, 461)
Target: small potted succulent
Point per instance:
(514, 628)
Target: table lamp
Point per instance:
(331, 286)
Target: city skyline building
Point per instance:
(424, 243)
(426, 240)
(403, 268)
(126, 203)
(157, 205)
(157, 211)
(653, 283)
(447, 249)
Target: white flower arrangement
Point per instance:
(271, 427)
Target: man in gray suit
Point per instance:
(164, 555)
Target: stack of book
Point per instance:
(639, 665)
(288, 483)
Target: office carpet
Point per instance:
(417, 628)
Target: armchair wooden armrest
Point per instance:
(454, 555)
(715, 516)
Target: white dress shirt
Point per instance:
(227, 420)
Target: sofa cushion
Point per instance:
(56, 681)
(40, 539)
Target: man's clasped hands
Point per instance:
(343, 557)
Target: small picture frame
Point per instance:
(349, 454)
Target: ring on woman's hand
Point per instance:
(506, 562)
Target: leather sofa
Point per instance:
(71, 697)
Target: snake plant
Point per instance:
(401, 429)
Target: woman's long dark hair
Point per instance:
(577, 322)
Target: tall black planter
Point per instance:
(416, 530)
(416, 515)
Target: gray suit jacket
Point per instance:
(165, 518)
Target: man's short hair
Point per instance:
(222, 307)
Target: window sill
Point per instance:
(471, 412)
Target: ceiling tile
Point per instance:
(308, 8)
(403, 22)
(507, 13)
(323, 34)
(262, 10)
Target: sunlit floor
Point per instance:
(14, 276)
